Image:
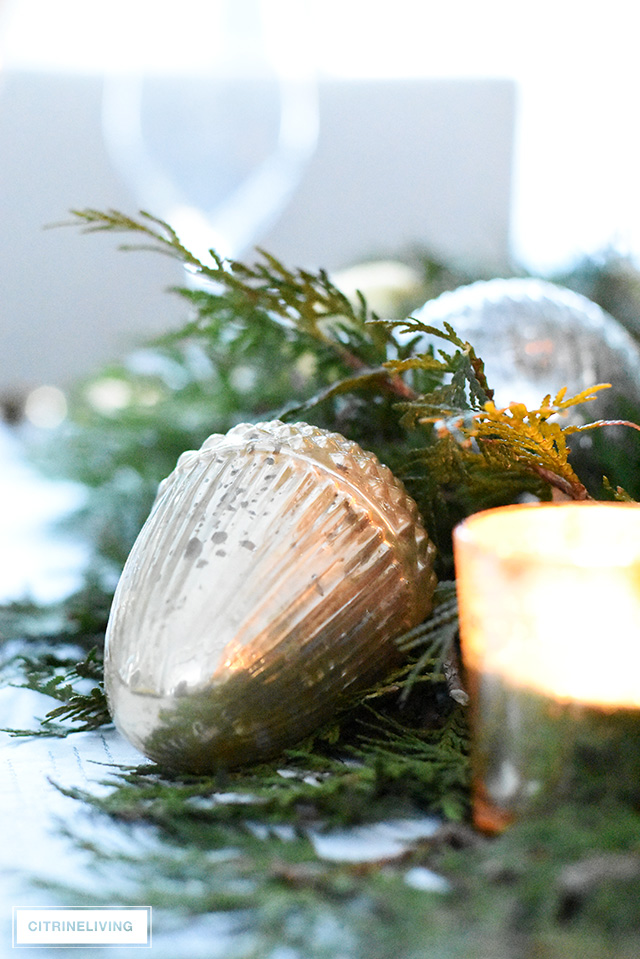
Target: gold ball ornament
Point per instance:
(277, 567)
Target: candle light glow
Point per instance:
(549, 598)
(560, 587)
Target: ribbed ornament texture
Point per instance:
(277, 567)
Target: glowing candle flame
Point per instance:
(550, 599)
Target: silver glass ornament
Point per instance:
(277, 567)
(536, 337)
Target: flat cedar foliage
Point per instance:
(264, 341)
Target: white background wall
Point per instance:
(399, 165)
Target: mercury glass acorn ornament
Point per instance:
(277, 567)
(536, 337)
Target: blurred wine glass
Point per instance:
(215, 136)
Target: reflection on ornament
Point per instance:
(277, 567)
(536, 337)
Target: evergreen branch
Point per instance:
(386, 764)
(617, 493)
(419, 361)
(268, 283)
(465, 363)
(164, 237)
(85, 710)
(366, 380)
(436, 638)
(599, 424)
(403, 746)
(311, 303)
(435, 632)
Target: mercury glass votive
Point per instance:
(549, 598)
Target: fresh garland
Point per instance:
(266, 341)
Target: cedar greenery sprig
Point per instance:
(311, 352)
(161, 237)
(532, 439)
(298, 297)
(310, 316)
(81, 709)
(468, 388)
(388, 766)
(318, 312)
(425, 412)
(268, 284)
(435, 639)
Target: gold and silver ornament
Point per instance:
(276, 569)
